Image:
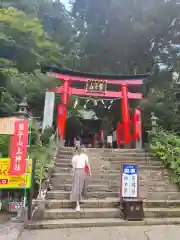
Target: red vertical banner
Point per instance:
(137, 124)
(102, 134)
(19, 147)
(61, 119)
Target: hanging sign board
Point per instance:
(78, 143)
(129, 181)
(109, 139)
(48, 110)
(98, 86)
(8, 181)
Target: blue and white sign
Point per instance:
(129, 181)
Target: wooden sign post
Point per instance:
(132, 206)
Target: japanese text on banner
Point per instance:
(19, 146)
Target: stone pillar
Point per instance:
(154, 124)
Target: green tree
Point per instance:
(132, 37)
(24, 46)
(125, 36)
(23, 37)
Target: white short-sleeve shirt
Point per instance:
(79, 161)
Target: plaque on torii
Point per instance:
(96, 86)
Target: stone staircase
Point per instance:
(101, 206)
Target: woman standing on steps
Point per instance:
(80, 165)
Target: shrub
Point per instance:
(166, 146)
(4, 145)
(35, 137)
(44, 159)
(45, 136)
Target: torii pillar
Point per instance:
(62, 111)
(125, 114)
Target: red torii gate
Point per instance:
(122, 82)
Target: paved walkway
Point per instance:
(10, 230)
(113, 233)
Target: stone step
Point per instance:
(111, 158)
(139, 161)
(116, 182)
(84, 213)
(145, 166)
(108, 213)
(57, 194)
(161, 195)
(95, 188)
(112, 188)
(162, 212)
(66, 168)
(87, 203)
(108, 203)
(156, 181)
(103, 150)
(162, 203)
(65, 195)
(106, 153)
(99, 175)
(100, 222)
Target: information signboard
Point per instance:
(8, 181)
(129, 181)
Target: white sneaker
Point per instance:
(78, 209)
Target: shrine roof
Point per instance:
(69, 72)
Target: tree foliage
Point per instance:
(104, 36)
(133, 37)
(130, 35)
(25, 45)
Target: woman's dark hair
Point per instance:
(78, 149)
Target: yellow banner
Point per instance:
(14, 182)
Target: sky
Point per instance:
(65, 2)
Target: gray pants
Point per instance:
(84, 192)
(78, 185)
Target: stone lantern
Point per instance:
(22, 111)
(154, 124)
